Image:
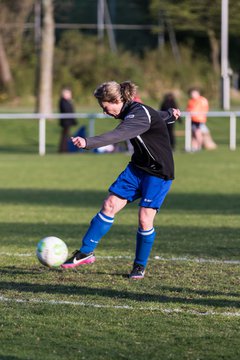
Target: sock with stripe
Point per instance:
(99, 226)
(145, 240)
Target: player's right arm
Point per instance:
(79, 142)
(135, 123)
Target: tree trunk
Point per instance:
(215, 50)
(5, 72)
(46, 59)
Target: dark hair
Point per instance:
(168, 102)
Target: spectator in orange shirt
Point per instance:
(198, 106)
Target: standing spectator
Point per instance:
(167, 103)
(66, 107)
(198, 106)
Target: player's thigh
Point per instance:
(127, 184)
(154, 191)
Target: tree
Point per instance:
(202, 17)
(10, 38)
(5, 72)
(46, 59)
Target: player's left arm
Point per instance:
(170, 116)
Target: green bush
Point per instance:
(163, 73)
(82, 63)
(80, 58)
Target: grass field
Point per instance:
(187, 307)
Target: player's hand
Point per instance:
(176, 113)
(79, 142)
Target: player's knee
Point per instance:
(145, 223)
(146, 218)
(109, 206)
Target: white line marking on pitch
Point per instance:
(160, 258)
(16, 254)
(120, 307)
(198, 260)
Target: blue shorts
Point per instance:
(134, 183)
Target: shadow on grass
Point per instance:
(200, 292)
(122, 294)
(198, 241)
(13, 270)
(76, 198)
(10, 357)
(207, 203)
(21, 149)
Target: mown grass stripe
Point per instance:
(120, 307)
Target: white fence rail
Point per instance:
(42, 123)
(231, 115)
(213, 114)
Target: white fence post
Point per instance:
(42, 136)
(91, 126)
(188, 133)
(233, 132)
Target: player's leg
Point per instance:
(102, 222)
(99, 226)
(199, 138)
(144, 241)
(112, 205)
(124, 189)
(153, 194)
(63, 140)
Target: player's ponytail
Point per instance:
(113, 92)
(128, 90)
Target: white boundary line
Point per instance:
(120, 307)
(16, 254)
(198, 260)
(160, 258)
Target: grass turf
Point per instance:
(183, 309)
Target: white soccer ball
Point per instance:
(52, 251)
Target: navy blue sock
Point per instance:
(145, 240)
(99, 226)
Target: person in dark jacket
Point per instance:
(147, 177)
(170, 102)
(66, 107)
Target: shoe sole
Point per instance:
(82, 262)
(136, 277)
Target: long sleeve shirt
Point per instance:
(147, 131)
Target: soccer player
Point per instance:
(147, 177)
